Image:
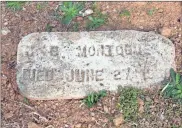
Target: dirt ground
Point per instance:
(17, 112)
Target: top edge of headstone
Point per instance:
(94, 32)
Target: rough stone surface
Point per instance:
(72, 64)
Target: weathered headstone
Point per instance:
(72, 64)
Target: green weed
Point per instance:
(93, 98)
(25, 100)
(96, 21)
(40, 6)
(151, 11)
(125, 13)
(70, 11)
(174, 87)
(48, 28)
(94, 6)
(15, 5)
(128, 103)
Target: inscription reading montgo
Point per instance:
(71, 65)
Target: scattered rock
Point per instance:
(89, 126)
(141, 105)
(78, 125)
(160, 10)
(162, 116)
(151, 106)
(33, 125)
(5, 23)
(93, 118)
(118, 120)
(106, 110)
(148, 98)
(24, 9)
(66, 126)
(92, 114)
(5, 31)
(141, 27)
(4, 79)
(17, 15)
(165, 31)
(87, 12)
(50, 126)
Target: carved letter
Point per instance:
(49, 75)
(119, 50)
(29, 74)
(89, 75)
(82, 53)
(117, 75)
(54, 51)
(100, 51)
(79, 75)
(40, 75)
(137, 49)
(92, 51)
(71, 76)
(109, 49)
(128, 49)
(99, 74)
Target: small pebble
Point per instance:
(5, 31)
(6, 23)
(87, 12)
(165, 31)
(78, 125)
(160, 10)
(92, 114)
(118, 120)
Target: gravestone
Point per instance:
(73, 64)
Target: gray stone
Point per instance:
(72, 64)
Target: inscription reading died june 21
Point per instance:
(72, 65)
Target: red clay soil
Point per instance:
(18, 112)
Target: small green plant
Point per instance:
(173, 89)
(15, 5)
(40, 6)
(48, 28)
(96, 21)
(93, 98)
(151, 11)
(70, 10)
(128, 102)
(25, 100)
(125, 13)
